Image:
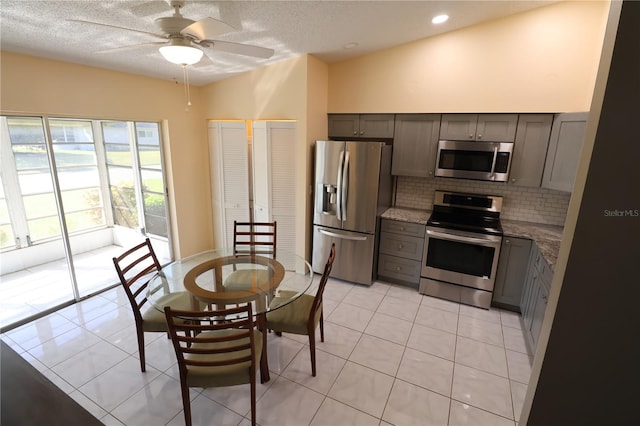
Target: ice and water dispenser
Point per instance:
(328, 199)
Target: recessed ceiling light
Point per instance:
(350, 45)
(440, 19)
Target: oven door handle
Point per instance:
(463, 239)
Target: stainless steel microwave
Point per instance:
(474, 160)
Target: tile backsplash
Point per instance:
(537, 205)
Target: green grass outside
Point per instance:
(44, 204)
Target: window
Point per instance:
(74, 193)
(136, 178)
(7, 237)
(153, 187)
(78, 176)
(31, 170)
(108, 173)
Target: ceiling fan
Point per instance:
(184, 38)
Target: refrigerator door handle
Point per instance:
(344, 192)
(339, 187)
(342, 236)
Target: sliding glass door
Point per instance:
(75, 193)
(35, 274)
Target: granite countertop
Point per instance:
(547, 237)
(407, 215)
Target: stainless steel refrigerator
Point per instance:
(352, 189)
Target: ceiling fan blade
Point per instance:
(117, 27)
(205, 61)
(238, 48)
(150, 8)
(131, 47)
(207, 28)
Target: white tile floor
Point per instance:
(391, 357)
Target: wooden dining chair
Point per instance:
(135, 268)
(257, 238)
(254, 237)
(215, 349)
(303, 315)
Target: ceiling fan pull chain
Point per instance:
(187, 93)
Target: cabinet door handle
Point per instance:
(480, 136)
(400, 246)
(398, 268)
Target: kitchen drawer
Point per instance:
(401, 245)
(397, 268)
(404, 228)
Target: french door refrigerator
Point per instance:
(352, 189)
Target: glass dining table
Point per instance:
(218, 278)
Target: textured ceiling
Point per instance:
(291, 28)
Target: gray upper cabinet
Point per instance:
(480, 127)
(565, 144)
(530, 149)
(497, 127)
(458, 127)
(415, 144)
(344, 125)
(512, 273)
(349, 126)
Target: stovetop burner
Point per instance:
(467, 212)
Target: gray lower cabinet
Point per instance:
(415, 144)
(563, 155)
(535, 296)
(400, 252)
(512, 273)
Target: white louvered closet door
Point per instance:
(229, 162)
(274, 169)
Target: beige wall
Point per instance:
(40, 86)
(540, 61)
(317, 126)
(272, 92)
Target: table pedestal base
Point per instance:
(264, 363)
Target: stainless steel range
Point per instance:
(462, 247)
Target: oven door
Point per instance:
(465, 258)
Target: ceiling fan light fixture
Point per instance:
(181, 55)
